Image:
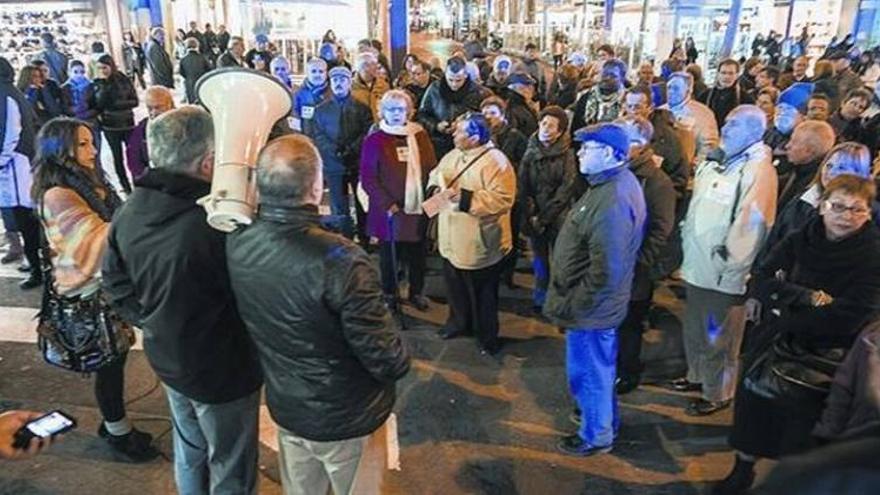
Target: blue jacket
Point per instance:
(339, 128)
(595, 253)
(305, 100)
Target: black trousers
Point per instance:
(27, 224)
(115, 139)
(110, 389)
(629, 340)
(473, 302)
(412, 254)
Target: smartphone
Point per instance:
(46, 426)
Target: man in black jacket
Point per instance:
(158, 60)
(312, 303)
(165, 270)
(338, 129)
(727, 93)
(446, 100)
(234, 55)
(522, 109)
(193, 66)
(660, 206)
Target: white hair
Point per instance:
(396, 95)
(363, 59)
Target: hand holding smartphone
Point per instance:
(25, 433)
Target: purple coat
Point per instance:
(383, 177)
(136, 150)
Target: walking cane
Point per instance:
(395, 306)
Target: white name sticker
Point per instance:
(308, 112)
(402, 153)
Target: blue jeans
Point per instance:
(215, 445)
(591, 363)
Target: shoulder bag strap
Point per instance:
(465, 169)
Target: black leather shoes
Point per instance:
(32, 282)
(576, 446)
(683, 385)
(136, 444)
(703, 407)
(419, 302)
(625, 384)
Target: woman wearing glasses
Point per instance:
(845, 158)
(818, 288)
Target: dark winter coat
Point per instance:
(79, 102)
(56, 61)
(595, 254)
(159, 63)
(846, 130)
(723, 101)
(313, 307)
(520, 114)
(562, 94)
(441, 104)
(796, 184)
(227, 60)
(666, 144)
(339, 128)
(660, 199)
(193, 66)
(115, 98)
(165, 270)
(383, 176)
(545, 184)
(137, 157)
(777, 141)
(512, 142)
(47, 101)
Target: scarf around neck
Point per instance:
(413, 194)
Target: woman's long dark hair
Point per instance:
(55, 166)
(25, 77)
(109, 62)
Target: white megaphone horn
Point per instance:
(244, 105)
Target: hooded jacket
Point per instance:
(441, 104)
(545, 182)
(595, 253)
(313, 307)
(729, 217)
(165, 270)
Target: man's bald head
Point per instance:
(289, 172)
(810, 142)
(158, 100)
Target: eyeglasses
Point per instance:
(840, 208)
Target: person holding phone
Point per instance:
(11, 422)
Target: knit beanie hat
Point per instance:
(797, 95)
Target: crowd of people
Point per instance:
(756, 190)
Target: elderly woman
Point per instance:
(75, 204)
(395, 163)
(820, 286)
(846, 158)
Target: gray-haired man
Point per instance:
(165, 270)
(312, 303)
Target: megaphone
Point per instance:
(244, 105)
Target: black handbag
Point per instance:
(78, 333)
(789, 373)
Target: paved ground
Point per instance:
(467, 424)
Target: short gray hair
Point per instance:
(364, 58)
(180, 139)
(287, 169)
(396, 95)
(317, 61)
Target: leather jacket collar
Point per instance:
(304, 214)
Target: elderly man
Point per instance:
(313, 299)
(366, 87)
(522, 109)
(727, 93)
(193, 65)
(158, 60)
(477, 189)
(234, 55)
(593, 262)
(602, 103)
(660, 202)
(791, 110)
(314, 91)
(731, 211)
(445, 100)
(338, 129)
(180, 295)
(280, 68)
(691, 116)
(158, 100)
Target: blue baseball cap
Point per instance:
(612, 135)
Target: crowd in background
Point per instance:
(756, 190)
